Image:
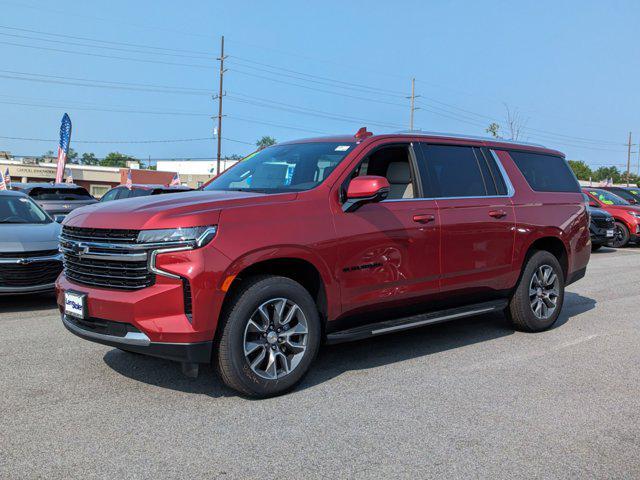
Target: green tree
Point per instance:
(72, 155)
(266, 141)
(581, 169)
(494, 130)
(89, 158)
(116, 159)
(604, 173)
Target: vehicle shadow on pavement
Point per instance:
(337, 359)
(27, 303)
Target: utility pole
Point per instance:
(220, 95)
(413, 102)
(629, 159)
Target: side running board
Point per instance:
(414, 321)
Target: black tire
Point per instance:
(520, 310)
(230, 361)
(595, 248)
(621, 236)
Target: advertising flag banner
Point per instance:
(129, 183)
(63, 146)
(175, 180)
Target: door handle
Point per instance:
(497, 213)
(424, 218)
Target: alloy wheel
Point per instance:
(544, 289)
(275, 338)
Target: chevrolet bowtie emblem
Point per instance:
(80, 249)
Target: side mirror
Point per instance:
(365, 189)
(594, 205)
(58, 218)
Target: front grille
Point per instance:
(603, 222)
(113, 264)
(105, 235)
(29, 275)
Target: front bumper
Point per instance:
(127, 337)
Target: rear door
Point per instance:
(476, 215)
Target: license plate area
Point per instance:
(75, 304)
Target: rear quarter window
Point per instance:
(546, 173)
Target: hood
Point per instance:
(598, 212)
(171, 210)
(626, 208)
(29, 237)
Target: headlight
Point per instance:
(196, 236)
(634, 214)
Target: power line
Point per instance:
(75, 37)
(284, 82)
(57, 79)
(321, 80)
(98, 55)
(119, 49)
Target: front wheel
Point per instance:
(537, 300)
(270, 334)
(621, 236)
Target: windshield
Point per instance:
(283, 168)
(607, 198)
(44, 193)
(19, 209)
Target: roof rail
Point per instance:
(469, 137)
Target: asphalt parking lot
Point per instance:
(470, 399)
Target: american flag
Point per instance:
(175, 180)
(63, 147)
(129, 183)
(3, 181)
(7, 178)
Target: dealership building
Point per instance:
(98, 180)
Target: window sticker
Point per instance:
(342, 148)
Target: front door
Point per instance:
(389, 251)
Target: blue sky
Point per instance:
(297, 69)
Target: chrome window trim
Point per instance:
(507, 181)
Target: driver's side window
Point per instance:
(393, 163)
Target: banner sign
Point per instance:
(63, 147)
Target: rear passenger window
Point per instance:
(546, 173)
(455, 171)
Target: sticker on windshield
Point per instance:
(342, 148)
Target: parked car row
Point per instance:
(623, 226)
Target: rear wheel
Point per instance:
(269, 337)
(537, 301)
(620, 236)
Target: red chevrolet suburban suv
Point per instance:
(326, 239)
